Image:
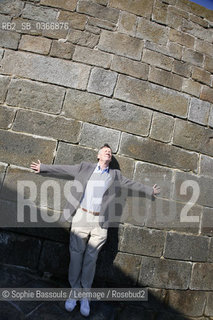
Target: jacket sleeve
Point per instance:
(60, 170)
(135, 186)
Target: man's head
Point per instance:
(105, 153)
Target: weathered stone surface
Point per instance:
(208, 63)
(151, 31)
(204, 47)
(165, 78)
(143, 241)
(207, 221)
(95, 136)
(21, 149)
(92, 108)
(182, 38)
(121, 44)
(162, 127)
(67, 4)
(35, 95)
(101, 23)
(182, 68)
(206, 166)
(4, 82)
(186, 247)
(199, 111)
(157, 59)
(46, 125)
(172, 49)
(19, 250)
(159, 13)
(151, 95)
(192, 87)
(164, 273)
(46, 69)
(199, 20)
(3, 167)
(126, 165)
(83, 38)
(1, 53)
(193, 57)
(92, 29)
(12, 8)
(136, 313)
(62, 49)
(74, 19)
(201, 276)
(55, 33)
(35, 44)
(210, 256)
(127, 23)
(54, 257)
(193, 137)
(175, 17)
(93, 57)
(188, 302)
(139, 7)
(209, 304)
(98, 11)
(211, 117)
(102, 81)
(39, 13)
(196, 30)
(9, 39)
(151, 174)
(201, 75)
(6, 117)
(157, 152)
(207, 94)
(130, 67)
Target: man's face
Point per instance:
(105, 154)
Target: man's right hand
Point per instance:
(36, 166)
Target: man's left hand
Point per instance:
(156, 189)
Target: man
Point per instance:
(89, 206)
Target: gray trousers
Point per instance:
(86, 240)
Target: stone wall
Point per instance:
(138, 75)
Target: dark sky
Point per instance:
(205, 3)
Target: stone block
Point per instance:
(61, 49)
(6, 117)
(83, 38)
(172, 49)
(159, 13)
(20, 149)
(188, 302)
(95, 136)
(3, 167)
(193, 137)
(39, 13)
(46, 69)
(196, 30)
(143, 241)
(140, 7)
(204, 46)
(199, 111)
(209, 304)
(182, 38)
(192, 87)
(151, 174)
(208, 63)
(157, 59)
(4, 82)
(162, 127)
(199, 20)
(61, 33)
(19, 250)
(175, 17)
(207, 222)
(47, 125)
(210, 256)
(126, 165)
(201, 75)
(66, 4)
(34, 95)
(211, 117)
(193, 57)
(4, 19)
(150, 95)
(157, 152)
(102, 81)
(112, 113)
(35, 44)
(165, 78)
(98, 11)
(92, 29)
(121, 44)
(1, 53)
(130, 67)
(101, 23)
(201, 278)
(207, 94)
(93, 57)
(54, 258)
(74, 19)
(152, 31)
(182, 68)
(127, 23)
(163, 273)
(13, 8)
(9, 39)
(206, 166)
(74, 154)
(186, 247)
